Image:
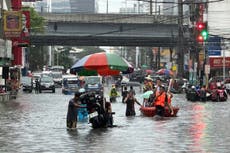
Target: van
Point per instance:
(93, 83)
(70, 84)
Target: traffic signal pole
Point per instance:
(180, 51)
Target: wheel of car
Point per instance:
(53, 90)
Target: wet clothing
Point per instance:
(113, 92)
(160, 99)
(133, 91)
(37, 86)
(72, 114)
(160, 103)
(124, 95)
(202, 93)
(130, 109)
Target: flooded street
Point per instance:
(37, 123)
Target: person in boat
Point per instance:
(72, 113)
(158, 84)
(170, 96)
(148, 84)
(124, 94)
(130, 101)
(161, 100)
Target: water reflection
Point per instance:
(37, 123)
(197, 129)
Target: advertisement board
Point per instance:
(12, 24)
(217, 62)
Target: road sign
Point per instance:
(214, 46)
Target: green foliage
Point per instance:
(37, 22)
(37, 57)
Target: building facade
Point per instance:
(85, 6)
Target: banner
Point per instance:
(25, 25)
(12, 24)
(217, 62)
(16, 5)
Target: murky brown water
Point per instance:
(37, 123)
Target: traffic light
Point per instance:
(201, 31)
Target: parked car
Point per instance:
(94, 83)
(27, 84)
(46, 83)
(70, 84)
(57, 77)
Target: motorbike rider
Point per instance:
(113, 93)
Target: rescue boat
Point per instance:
(151, 111)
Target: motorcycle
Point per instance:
(219, 95)
(98, 116)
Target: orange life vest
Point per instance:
(160, 100)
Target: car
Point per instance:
(27, 84)
(57, 77)
(70, 84)
(93, 83)
(46, 83)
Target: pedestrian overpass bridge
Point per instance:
(108, 30)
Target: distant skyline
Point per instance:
(113, 5)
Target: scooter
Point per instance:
(219, 95)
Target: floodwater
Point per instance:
(37, 123)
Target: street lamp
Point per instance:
(58, 50)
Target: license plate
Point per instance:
(92, 115)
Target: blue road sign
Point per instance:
(214, 46)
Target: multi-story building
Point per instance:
(86, 6)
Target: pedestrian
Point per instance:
(130, 101)
(37, 86)
(124, 94)
(72, 113)
(132, 90)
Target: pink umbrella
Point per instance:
(164, 72)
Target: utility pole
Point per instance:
(180, 51)
(151, 7)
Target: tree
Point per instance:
(37, 56)
(37, 22)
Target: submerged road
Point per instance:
(37, 123)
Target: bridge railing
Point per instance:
(111, 18)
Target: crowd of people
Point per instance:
(159, 98)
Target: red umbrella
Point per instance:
(103, 64)
(164, 72)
